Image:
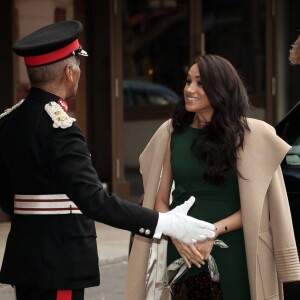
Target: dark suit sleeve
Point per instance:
(74, 170)
(6, 194)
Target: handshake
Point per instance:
(175, 223)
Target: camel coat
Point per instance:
(272, 256)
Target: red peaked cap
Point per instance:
(50, 44)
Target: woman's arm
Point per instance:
(231, 223)
(190, 253)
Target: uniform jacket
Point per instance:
(55, 251)
(271, 251)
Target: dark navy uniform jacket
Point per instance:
(55, 251)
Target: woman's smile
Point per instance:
(192, 99)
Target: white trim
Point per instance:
(47, 212)
(43, 197)
(55, 204)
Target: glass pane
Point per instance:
(156, 49)
(235, 29)
(293, 156)
(155, 55)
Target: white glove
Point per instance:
(177, 224)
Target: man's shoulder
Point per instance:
(11, 109)
(59, 116)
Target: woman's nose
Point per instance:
(191, 88)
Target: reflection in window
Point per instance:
(138, 93)
(293, 156)
(235, 29)
(156, 44)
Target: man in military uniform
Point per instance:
(48, 184)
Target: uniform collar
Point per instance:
(42, 96)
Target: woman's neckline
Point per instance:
(195, 128)
(197, 124)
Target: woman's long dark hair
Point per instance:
(218, 142)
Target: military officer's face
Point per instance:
(75, 70)
(77, 74)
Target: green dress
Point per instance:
(212, 204)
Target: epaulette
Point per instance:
(9, 110)
(59, 117)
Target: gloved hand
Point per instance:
(177, 224)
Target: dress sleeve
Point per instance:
(6, 194)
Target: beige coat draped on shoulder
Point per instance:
(271, 251)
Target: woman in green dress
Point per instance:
(201, 159)
(231, 165)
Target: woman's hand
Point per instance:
(205, 247)
(189, 253)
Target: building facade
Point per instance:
(139, 51)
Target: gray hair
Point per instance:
(51, 72)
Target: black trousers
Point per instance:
(46, 294)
